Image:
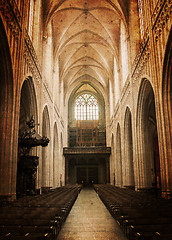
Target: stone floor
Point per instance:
(89, 219)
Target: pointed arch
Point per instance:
(28, 102)
(147, 138)
(94, 127)
(28, 109)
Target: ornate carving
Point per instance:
(31, 58)
(141, 49)
(11, 14)
(161, 15)
(86, 150)
(29, 138)
(31, 63)
(125, 89)
(32, 51)
(27, 164)
(47, 92)
(157, 9)
(142, 57)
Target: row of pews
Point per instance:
(37, 217)
(141, 216)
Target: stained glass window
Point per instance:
(86, 107)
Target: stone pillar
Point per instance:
(66, 170)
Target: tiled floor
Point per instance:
(89, 219)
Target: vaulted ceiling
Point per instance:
(86, 37)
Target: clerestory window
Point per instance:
(86, 107)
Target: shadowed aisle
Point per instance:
(89, 219)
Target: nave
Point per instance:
(89, 219)
(85, 97)
(76, 213)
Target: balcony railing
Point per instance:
(86, 150)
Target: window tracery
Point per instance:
(86, 107)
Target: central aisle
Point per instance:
(89, 219)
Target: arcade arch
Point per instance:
(147, 138)
(28, 111)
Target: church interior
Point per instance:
(85, 103)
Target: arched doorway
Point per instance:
(45, 151)
(118, 162)
(128, 150)
(147, 138)
(7, 153)
(27, 163)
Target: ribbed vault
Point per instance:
(86, 37)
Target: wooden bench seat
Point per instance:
(37, 217)
(140, 215)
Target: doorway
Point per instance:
(86, 170)
(87, 175)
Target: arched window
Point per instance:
(86, 107)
